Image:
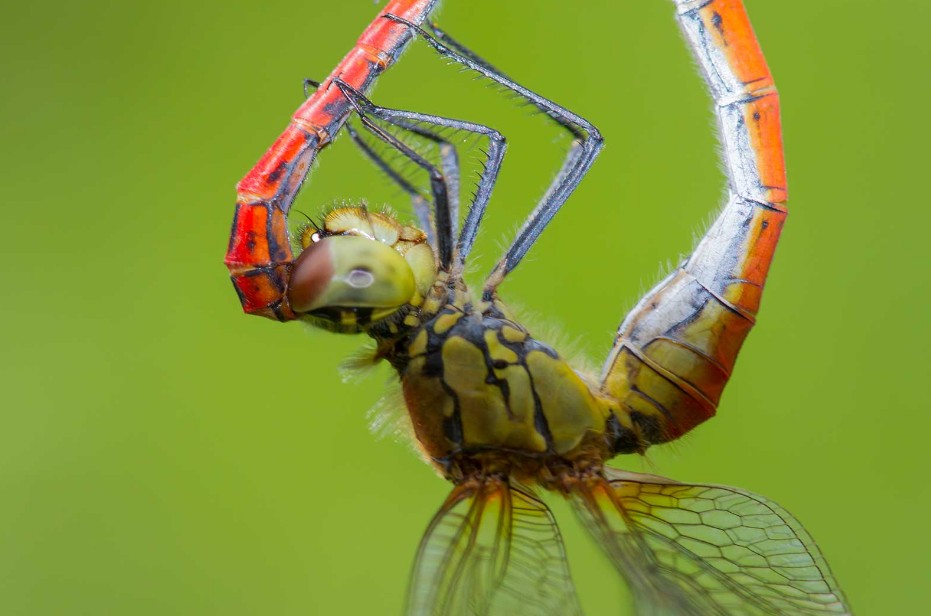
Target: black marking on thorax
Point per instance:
(472, 327)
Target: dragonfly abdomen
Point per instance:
(675, 353)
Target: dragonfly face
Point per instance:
(341, 276)
(359, 269)
(500, 413)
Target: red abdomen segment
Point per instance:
(259, 255)
(676, 349)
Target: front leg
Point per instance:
(443, 185)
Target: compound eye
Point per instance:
(350, 272)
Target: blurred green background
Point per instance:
(161, 453)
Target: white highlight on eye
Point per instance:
(360, 278)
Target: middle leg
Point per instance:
(452, 257)
(587, 144)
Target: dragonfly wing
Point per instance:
(493, 548)
(706, 549)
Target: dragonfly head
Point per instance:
(349, 277)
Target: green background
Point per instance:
(161, 453)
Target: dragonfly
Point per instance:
(501, 414)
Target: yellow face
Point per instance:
(360, 268)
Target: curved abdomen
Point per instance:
(675, 351)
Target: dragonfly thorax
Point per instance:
(484, 396)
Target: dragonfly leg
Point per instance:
(308, 84)
(587, 144)
(675, 351)
(444, 37)
(444, 184)
(450, 163)
(438, 184)
(420, 204)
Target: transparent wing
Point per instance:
(493, 548)
(705, 549)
